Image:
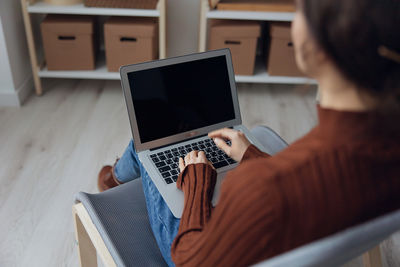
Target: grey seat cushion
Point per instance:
(120, 216)
(272, 143)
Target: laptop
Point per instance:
(172, 105)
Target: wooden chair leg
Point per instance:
(90, 242)
(86, 250)
(373, 258)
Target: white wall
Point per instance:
(6, 81)
(13, 41)
(182, 26)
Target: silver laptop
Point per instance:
(172, 105)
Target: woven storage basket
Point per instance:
(137, 4)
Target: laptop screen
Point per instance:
(182, 97)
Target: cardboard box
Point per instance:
(281, 58)
(130, 40)
(135, 4)
(68, 42)
(258, 5)
(241, 38)
(63, 2)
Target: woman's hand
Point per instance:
(239, 142)
(193, 157)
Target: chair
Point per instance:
(115, 225)
(120, 233)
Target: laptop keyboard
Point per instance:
(167, 161)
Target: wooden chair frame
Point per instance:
(90, 243)
(89, 239)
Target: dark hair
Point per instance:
(353, 33)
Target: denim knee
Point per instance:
(128, 168)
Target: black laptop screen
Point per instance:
(177, 98)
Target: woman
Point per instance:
(344, 172)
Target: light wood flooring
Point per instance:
(54, 146)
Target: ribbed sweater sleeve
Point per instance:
(253, 152)
(224, 237)
(198, 182)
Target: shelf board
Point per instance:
(101, 73)
(265, 78)
(261, 76)
(250, 15)
(97, 74)
(80, 9)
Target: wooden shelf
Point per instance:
(250, 15)
(264, 77)
(31, 7)
(80, 9)
(100, 73)
(260, 73)
(261, 76)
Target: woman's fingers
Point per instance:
(192, 158)
(187, 159)
(193, 154)
(239, 142)
(222, 145)
(202, 157)
(181, 164)
(224, 133)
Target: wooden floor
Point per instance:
(54, 145)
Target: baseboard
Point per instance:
(18, 97)
(25, 90)
(9, 99)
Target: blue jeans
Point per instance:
(162, 221)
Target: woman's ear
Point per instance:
(317, 59)
(310, 58)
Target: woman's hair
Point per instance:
(362, 37)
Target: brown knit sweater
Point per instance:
(344, 172)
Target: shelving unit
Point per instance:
(39, 69)
(100, 73)
(261, 76)
(250, 15)
(260, 73)
(80, 9)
